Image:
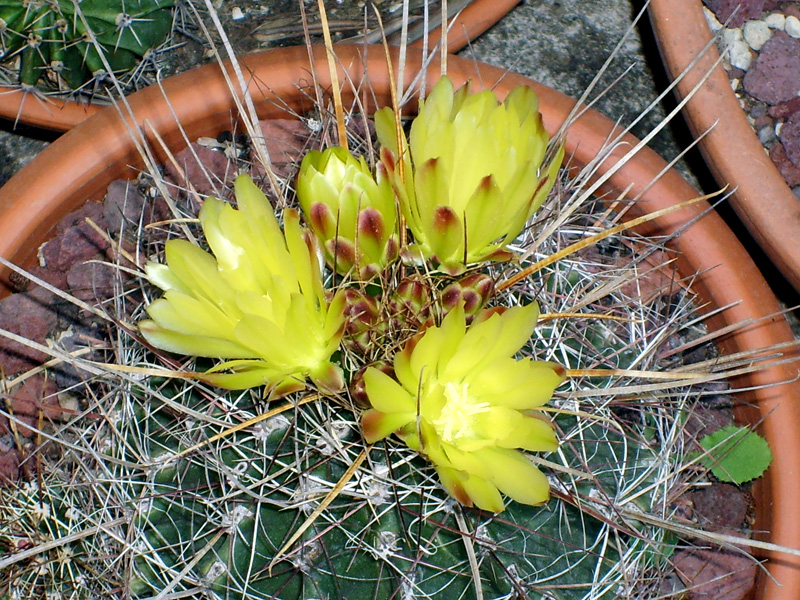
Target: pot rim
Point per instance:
(82, 163)
(762, 200)
(62, 114)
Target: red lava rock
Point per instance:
(33, 399)
(775, 4)
(715, 573)
(57, 279)
(775, 75)
(762, 122)
(125, 207)
(790, 9)
(9, 464)
(787, 169)
(207, 175)
(77, 242)
(32, 315)
(704, 420)
(744, 10)
(720, 506)
(736, 73)
(790, 138)
(784, 109)
(91, 210)
(92, 281)
(287, 141)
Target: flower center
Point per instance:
(455, 420)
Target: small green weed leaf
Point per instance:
(735, 454)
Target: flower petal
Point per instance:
(377, 425)
(191, 345)
(516, 476)
(484, 494)
(386, 395)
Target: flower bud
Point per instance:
(353, 215)
(363, 324)
(472, 292)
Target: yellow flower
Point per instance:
(464, 402)
(258, 301)
(354, 217)
(476, 172)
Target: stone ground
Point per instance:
(562, 43)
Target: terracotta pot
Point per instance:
(762, 199)
(59, 114)
(82, 163)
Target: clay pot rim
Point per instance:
(62, 114)
(81, 164)
(763, 201)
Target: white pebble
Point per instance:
(731, 36)
(734, 84)
(756, 34)
(778, 128)
(740, 55)
(775, 20)
(711, 18)
(792, 26)
(237, 14)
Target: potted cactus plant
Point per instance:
(52, 71)
(66, 47)
(347, 519)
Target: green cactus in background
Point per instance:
(52, 39)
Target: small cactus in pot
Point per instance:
(71, 44)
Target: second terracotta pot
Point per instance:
(761, 198)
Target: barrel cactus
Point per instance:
(61, 41)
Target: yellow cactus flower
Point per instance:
(460, 398)
(258, 301)
(476, 172)
(354, 217)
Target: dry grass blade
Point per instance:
(334, 73)
(594, 239)
(247, 424)
(329, 498)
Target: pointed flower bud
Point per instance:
(410, 303)
(363, 321)
(258, 300)
(471, 291)
(476, 174)
(462, 400)
(353, 215)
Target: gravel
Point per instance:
(763, 61)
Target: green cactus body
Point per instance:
(214, 519)
(54, 36)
